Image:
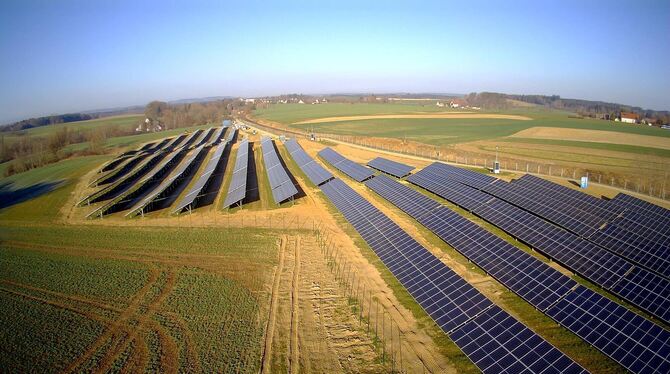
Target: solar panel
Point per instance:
(457, 307)
(394, 168)
(237, 190)
(636, 343)
(315, 172)
(464, 176)
(172, 144)
(191, 138)
(111, 165)
(533, 280)
(538, 283)
(353, 170)
(557, 212)
(577, 199)
(280, 183)
(114, 175)
(184, 167)
(633, 203)
(213, 165)
(647, 226)
(497, 343)
(648, 290)
(434, 181)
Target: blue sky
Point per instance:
(62, 56)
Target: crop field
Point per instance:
(145, 299)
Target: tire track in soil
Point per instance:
(192, 364)
(295, 311)
(115, 329)
(274, 301)
(137, 330)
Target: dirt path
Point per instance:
(456, 115)
(274, 301)
(295, 312)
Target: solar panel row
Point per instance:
(315, 172)
(645, 225)
(280, 183)
(194, 192)
(538, 283)
(394, 168)
(172, 144)
(593, 262)
(441, 185)
(458, 308)
(546, 203)
(464, 176)
(122, 201)
(111, 165)
(128, 164)
(348, 167)
(193, 161)
(630, 202)
(533, 280)
(237, 190)
(190, 139)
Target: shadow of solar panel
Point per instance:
(394, 168)
(636, 343)
(348, 167)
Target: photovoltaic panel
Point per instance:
(464, 176)
(498, 343)
(111, 165)
(538, 283)
(212, 165)
(192, 161)
(578, 199)
(633, 203)
(533, 280)
(553, 211)
(452, 303)
(648, 290)
(636, 343)
(314, 171)
(237, 190)
(280, 183)
(190, 139)
(353, 170)
(114, 175)
(443, 186)
(172, 144)
(394, 168)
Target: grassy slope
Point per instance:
(121, 121)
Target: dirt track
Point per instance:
(455, 115)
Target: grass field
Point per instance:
(122, 121)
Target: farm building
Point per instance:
(629, 117)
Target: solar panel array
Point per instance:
(315, 172)
(172, 144)
(194, 192)
(431, 179)
(588, 259)
(128, 164)
(281, 184)
(394, 168)
(630, 202)
(237, 190)
(191, 138)
(533, 280)
(355, 171)
(464, 176)
(541, 285)
(184, 167)
(457, 307)
(111, 165)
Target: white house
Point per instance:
(628, 117)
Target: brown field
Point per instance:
(455, 115)
(611, 137)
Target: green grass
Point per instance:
(124, 121)
(289, 113)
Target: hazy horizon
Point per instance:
(74, 55)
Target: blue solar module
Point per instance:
(280, 183)
(645, 225)
(237, 190)
(353, 170)
(315, 172)
(203, 181)
(497, 343)
(394, 168)
(636, 343)
(441, 185)
(458, 308)
(584, 202)
(633, 203)
(533, 280)
(464, 176)
(648, 290)
(538, 283)
(554, 211)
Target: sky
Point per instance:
(67, 56)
